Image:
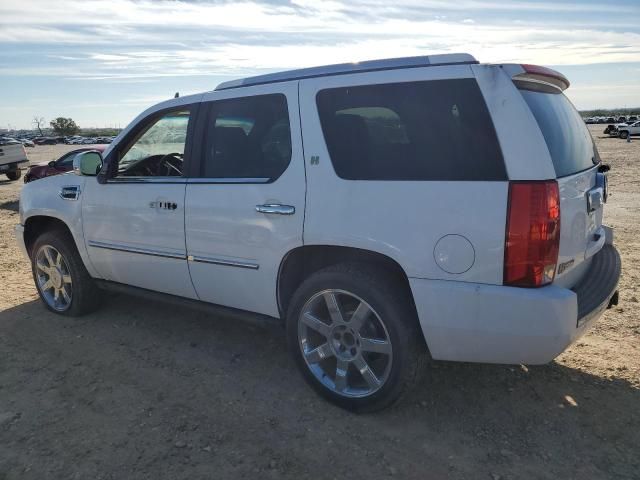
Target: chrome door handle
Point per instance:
(275, 208)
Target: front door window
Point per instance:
(159, 149)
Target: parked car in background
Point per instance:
(26, 142)
(45, 141)
(56, 167)
(13, 156)
(632, 118)
(626, 131)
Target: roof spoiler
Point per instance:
(537, 73)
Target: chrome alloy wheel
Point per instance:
(344, 343)
(54, 278)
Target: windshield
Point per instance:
(570, 144)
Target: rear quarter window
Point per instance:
(429, 130)
(570, 144)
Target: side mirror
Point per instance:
(52, 164)
(87, 163)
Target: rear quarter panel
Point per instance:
(401, 219)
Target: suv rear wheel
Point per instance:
(63, 283)
(355, 337)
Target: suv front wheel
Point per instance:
(354, 335)
(63, 283)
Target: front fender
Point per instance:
(43, 199)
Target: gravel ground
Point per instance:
(140, 390)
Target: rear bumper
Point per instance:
(8, 166)
(496, 324)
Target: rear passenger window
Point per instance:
(432, 130)
(248, 138)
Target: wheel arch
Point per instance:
(35, 225)
(303, 261)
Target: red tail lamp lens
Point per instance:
(533, 234)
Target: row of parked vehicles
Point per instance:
(80, 140)
(13, 157)
(33, 140)
(610, 120)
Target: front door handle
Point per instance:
(276, 209)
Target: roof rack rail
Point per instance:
(358, 67)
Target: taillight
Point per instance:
(532, 238)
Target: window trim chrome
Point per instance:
(161, 180)
(185, 180)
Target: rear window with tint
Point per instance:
(570, 144)
(431, 130)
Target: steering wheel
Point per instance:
(166, 167)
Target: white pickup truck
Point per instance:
(12, 156)
(625, 131)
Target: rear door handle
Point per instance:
(276, 209)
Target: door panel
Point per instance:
(133, 239)
(234, 250)
(134, 221)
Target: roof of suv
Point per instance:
(345, 68)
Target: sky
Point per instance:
(103, 62)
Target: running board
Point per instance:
(209, 308)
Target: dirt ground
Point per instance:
(141, 390)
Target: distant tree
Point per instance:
(38, 122)
(64, 126)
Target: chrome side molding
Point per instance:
(177, 256)
(220, 261)
(143, 251)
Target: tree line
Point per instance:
(64, 127)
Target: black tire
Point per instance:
(624, 134)
(14, 174)
(85, 296)
(396, 311)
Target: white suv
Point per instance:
(388, 211)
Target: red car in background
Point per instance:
(56, 167)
